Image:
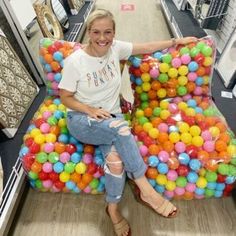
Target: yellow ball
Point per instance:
(153, 133)
(146, 86)
(80, 168)
(139, 113)
(35, 132)
(50, 138)
(39, 139)
(186, 138)
(164, 104)
(208, 61)
(190, 111)
(205, 79)
(161, 179)
(174, 137)
(170, 185)
(61, 107)
(138, 89)
(195, 130)
(201, 182)
(164, 114)
(214, 131)
(182, 80)
(145, 77)
(183, 127)
(161, 93)
(182, 106)
(62, 122)
(202, 172)
(173, 73)
(52, 107)
(64, 176)
(42, 109)
(147, 126)
(164, 67)
(231, 149)
(183, 70)
(197, 141)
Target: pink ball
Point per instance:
(55, 189)
(209, 146)
(187, 97)
(185, 59)
(172, 175)
(190, 187)
(48, 147)
(179, 191)
(47, 114)
(47, 183)
(87, 189)
(87, 158)
(143, 150)
(198, 91)
(50, 76)
(163, 127)
(192, 76)
(97, 175)
(45, 128)
(173, 108)
(54, 85)
(154, 73)
(64, 157)
(180, 147)
(177, 100)
(47, 167)
(169, 194)
(176, 62)
(206, 135)
(163, 156)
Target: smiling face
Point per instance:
(101, 34)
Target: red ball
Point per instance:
(192, 151)
(199, 58)
(60, 185)
(70, 148)
(182, 170)
(29, 141)
(148, 141)
(221, 178)
(92, 168)
(28, 160)
(53, 176)
(34, 148)
(38, 122)
(52, 49)
(43, 175)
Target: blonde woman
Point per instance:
(90, 89)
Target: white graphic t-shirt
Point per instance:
(96, 81)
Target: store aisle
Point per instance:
(48, 214)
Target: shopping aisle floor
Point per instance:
(48, 214)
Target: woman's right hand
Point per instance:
(98, 113)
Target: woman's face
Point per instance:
(101, 35)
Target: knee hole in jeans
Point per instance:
(114, 163)
(124, 129)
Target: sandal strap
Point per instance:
(166, 208)
(121, 227)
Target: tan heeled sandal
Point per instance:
(121, 227)
(166, 208)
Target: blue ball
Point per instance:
(218, 193)
(160, 188)
(76, 189)
(162, 168)
(64, 138)
(153, 161)
(211, 185)
(195, 164)
(138, 81)
(198, 110)
(220, 186)
(230, 179)
(158, 55)
(199, 191)
(199, 81)
(192, 103)
(70, 185)
(173, 128)
(152, 182)
(192, 177)
(47, 68)
(192, 66)
(57, 77)
(79, 147)
(184, 158)
(136, 61)
(58, 167)
(75, 157)
(58, 56)
(99, 160)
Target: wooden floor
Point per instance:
(49, 214)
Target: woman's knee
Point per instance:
(114, 163)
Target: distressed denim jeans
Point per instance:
(106, 134)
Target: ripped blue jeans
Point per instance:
(109, 134)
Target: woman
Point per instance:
(90, 89)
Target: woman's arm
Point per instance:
(150, 47)
(68, 99)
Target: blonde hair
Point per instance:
(99, 14)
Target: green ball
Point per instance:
(144, 105)
(208, 112)
(181, 181)
(94, 183)
(69, 167)
(233, 141)
(200, 45)
(223, 169)
(206, 51)
(184, 50)
(182, 90)
(211, 176)
(233, 161)
(33, 175)
(144, 97)
(163, 78)
(52, 120)
(156, 111)
(166, 58)
(209, 193)
(142, 120)
(232, 170)
(194, 51)
(53, 157)
(38, 184)
(64, 130)
(41, 157)
(47, 42)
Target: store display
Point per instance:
(184, 140)
(17, 89)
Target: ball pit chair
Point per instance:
(183, 138)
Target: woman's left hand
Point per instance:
(186, 40)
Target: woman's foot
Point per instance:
(120, 224)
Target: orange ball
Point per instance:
(211, 165)
(221, 126)
(81, 185)
(223, 155)
(75, 177)
(153, 103)
(210, 121)
(154, 149)
(162, 137)
(55, 66)
(224, 137)
(48, 58)
(203, 156)
(220, 146)
(199, 118)
(87, 178)
(144, 67)
(168, 146)
(201, 71)
(137, 128)
(171, 92)
(55, 130)
(59, 147)
(36, 167)
(188, 196)
(156, 121)
(155, 85)
(43, 51)
(172, 83)
(89, 149)
(151, 173)
(152, 94)
(173, 163)
(148, 112)
(190, 86)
